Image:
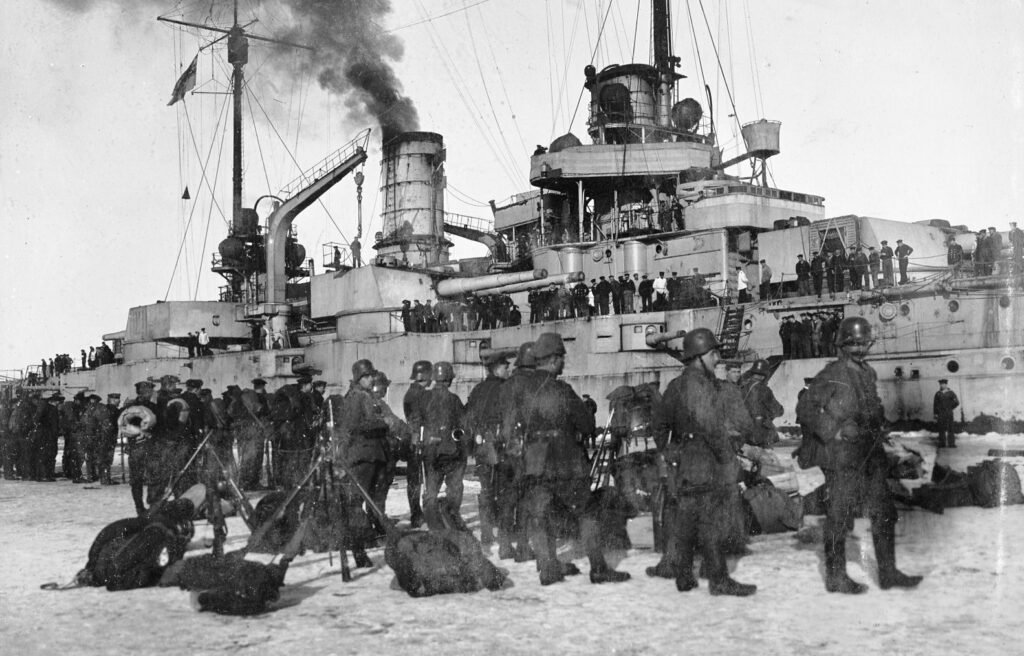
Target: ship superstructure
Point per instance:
(649, 193)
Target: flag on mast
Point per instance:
(185, 83)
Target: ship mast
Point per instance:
(238, 56)
(664, 61)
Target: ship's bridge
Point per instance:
(560, 170)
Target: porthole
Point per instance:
(905, 310)
(887, 312)
(954, 306)
(1008, 363)
(748, 324)
(952, 366)
(1004, 301)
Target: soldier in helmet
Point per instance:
(702, 429)
(412, 405)
(482, 424)
(361, 441)
(445, 448)
(762, 404)
(512, 540)
(398, 442)
(556, 472)
(842, 417)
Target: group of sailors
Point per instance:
(31, 427)
(454, 315)
(809, 334)
(63, 363)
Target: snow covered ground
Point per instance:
(969, 602)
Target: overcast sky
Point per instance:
(896, 109)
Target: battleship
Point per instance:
(647, 189)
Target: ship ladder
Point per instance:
(729, 333)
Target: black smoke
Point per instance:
(353, 58)
(353, 53)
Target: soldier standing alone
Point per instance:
(842, 416)
(944, 404)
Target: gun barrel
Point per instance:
(459, 286)
(557, 279)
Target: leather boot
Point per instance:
(836, 579)
(505, 548)
(883, 534)
(600, 572)
(686, 583)
(362, 560)
(665, 570)
(728, 586)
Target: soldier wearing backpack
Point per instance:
(842, 418)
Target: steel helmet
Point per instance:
(444, 372)
(697, 342)
(362, 368)
(854, 330)
(525, 358)
(421, 367)
(380, 379)
(761, 367)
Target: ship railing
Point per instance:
(469, 222)
(325, 166)
(335, 256)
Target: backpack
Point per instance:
(995, 483)
(772, 510)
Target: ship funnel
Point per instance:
(412, 186)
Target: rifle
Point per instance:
(604, 456)
(181, 472)
(241, 503)
(256, 537)
(120, 437)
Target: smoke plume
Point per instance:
(352, 58)
(353, 53)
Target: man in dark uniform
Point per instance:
(45, 430)
(903, 252)
(817, 272)
(785, 331)
(445, 449)
(761, 403)
(803, 275)
(843, 417)
(1016, 239)
(197, 409)
(71, 429)
(886, 254)
(942, 407)
(645, 289)
(249, 412)
(702, 430)
(839, 268)
(412, 406)
(140, 443)
(954, 255)
(292, 414)
(96, 432)
(360, 443)
(601, 292)
(8, 457)
(482, 424)
(512, 541)
(113, 408)
(556, 473)
(398, 442)
(874, 267)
